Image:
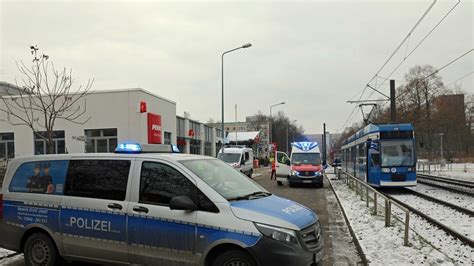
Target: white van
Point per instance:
(239, 157)
(149, 209)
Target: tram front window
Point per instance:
(397, 153)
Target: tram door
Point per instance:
(373, 169)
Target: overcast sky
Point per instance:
(313, 55)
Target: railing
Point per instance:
(429, 166)
(359, 185)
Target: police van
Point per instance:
(148, 205)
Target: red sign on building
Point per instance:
(154, 128)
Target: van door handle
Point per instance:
(115, 206)
(140, 209)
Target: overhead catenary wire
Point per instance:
(419, 43)
(440, 69)
(390, 57)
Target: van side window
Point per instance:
(159, 183)
(99, 179)
(43, 177)
(247, 156)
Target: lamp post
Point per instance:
(247, 45)
(441, 135)
(271, 131)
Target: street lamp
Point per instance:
(441, 135)
(271, 118)
(247, 45)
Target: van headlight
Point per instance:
(284, 235)
(294, 173)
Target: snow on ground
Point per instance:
(459, 171)
(384, 245)
(5, 252)
(5, 260)
(459, 252)
(456, 220)
(458, 199)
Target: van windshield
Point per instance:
(229, 157)
(228, 182)
(306, 158)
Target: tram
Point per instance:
(383, 155)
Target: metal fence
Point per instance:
(426, 166)
(365, 190)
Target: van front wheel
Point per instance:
(40, 250)
(234, 257)
(280, 183)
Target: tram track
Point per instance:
(458, 186)
(461, 219)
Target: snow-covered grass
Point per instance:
(384, 245)
(459, 171)
(458, 199)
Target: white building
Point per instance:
(114, 117)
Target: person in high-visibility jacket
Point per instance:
(273, 175)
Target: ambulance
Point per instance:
(304, 166)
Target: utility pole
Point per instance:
(393, 110)
(324, 142)
(237, 125)
(441, 135)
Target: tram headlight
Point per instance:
(385, 170)
(411, 169)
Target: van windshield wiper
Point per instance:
(256, 194)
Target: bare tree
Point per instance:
(45, 96)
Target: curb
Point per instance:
(353, 234)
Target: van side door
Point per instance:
(282, 164)
(158, 235)
(93, 209)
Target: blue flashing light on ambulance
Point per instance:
(147, 205)
(382, 155)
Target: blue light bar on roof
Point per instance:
(175, 149)
(128, 148)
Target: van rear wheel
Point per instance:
(280, 183)
(40, 250)
(234, 257)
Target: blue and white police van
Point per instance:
(148, 205)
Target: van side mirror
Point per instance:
(184, 203)
(287, 162)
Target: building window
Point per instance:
(167, 137)
(101, 140)
(7, 146)
(41, 146)
(195, 146)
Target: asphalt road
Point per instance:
(339, 248)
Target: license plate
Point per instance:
(307, 181)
